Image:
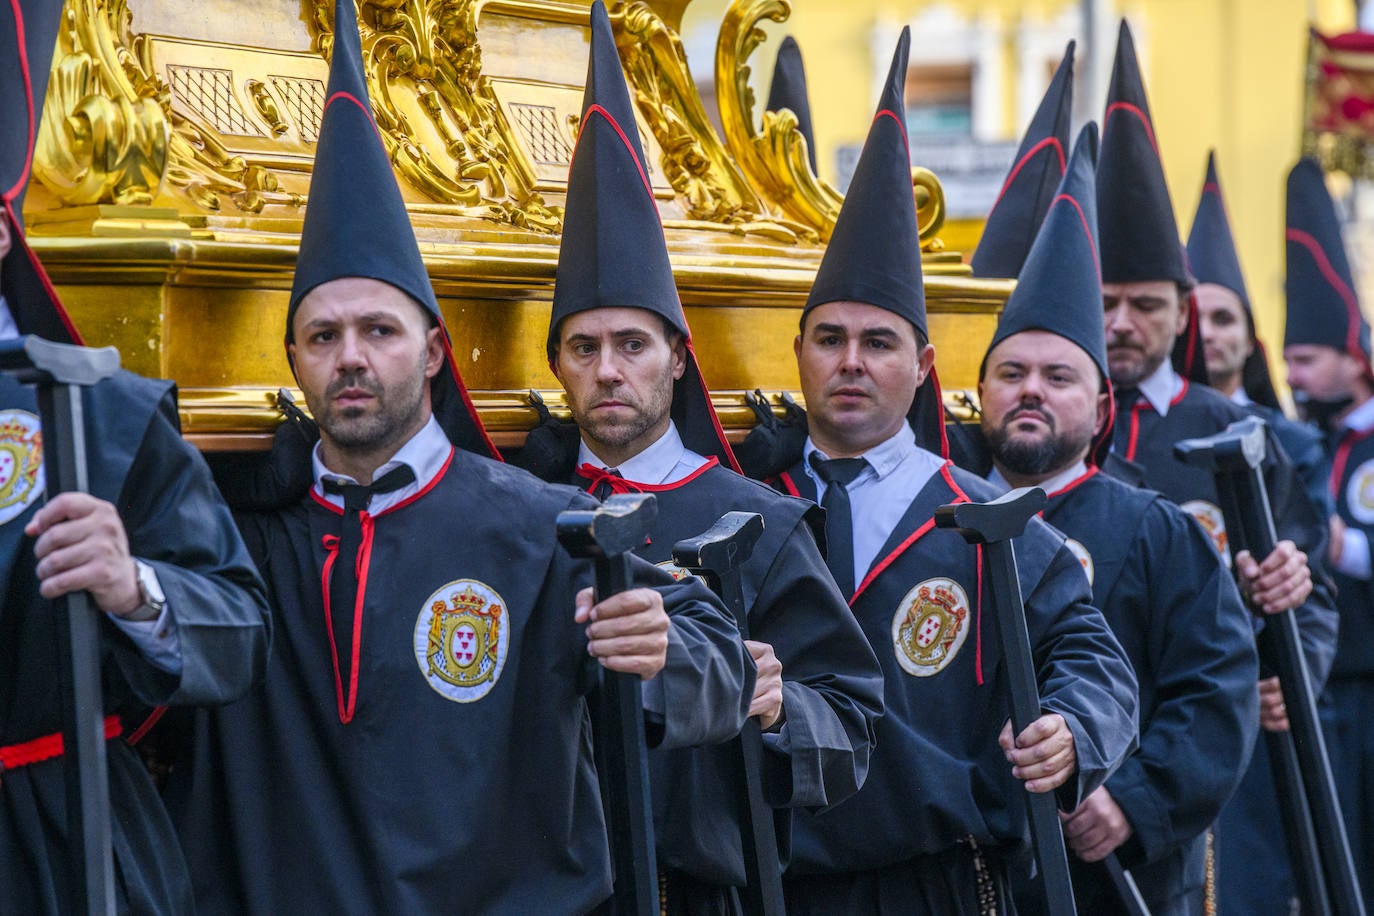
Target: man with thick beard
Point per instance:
(421, 742)
(1046, 404)
(942, 818)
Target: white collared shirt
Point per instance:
(8, 329)
(668, 460)
(426, 453)
(1361, 418)
(1161, 387)
(1052, 484)
(1240, 397)
(883, 491)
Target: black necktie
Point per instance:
(343, 579)
(838, 473)
(1121, 433)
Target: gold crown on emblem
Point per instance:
(469, 602)
(941, 595)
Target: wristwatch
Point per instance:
(154, 601)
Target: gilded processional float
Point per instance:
(173, 166)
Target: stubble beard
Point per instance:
(617, 434)
(396, 415)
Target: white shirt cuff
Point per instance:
(157, 639)
(1355, 554)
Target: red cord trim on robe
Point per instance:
(1342, 456)
(711, 411)
(618, 485)
(147, 726)
(962, 497)
(347, 706)
(492, 451)
(978, 626)
(47, 747)
(788, 484)
(331, 546)
(42, 274)
(1092, 469)
(22, 44)
(1142, 404)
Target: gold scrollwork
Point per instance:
(775, 159)
(102, 140)
(424, 61)
(694, 161)
(266, 107)
(109, 134)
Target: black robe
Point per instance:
(832, 689)
(1200, 411)
(1250, 848)
(177, 523)
(463, 780)
(1179, 616)
(1350, 690)
(938, 774)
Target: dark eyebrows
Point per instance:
(1010, 363)
(1148, 302)
(621, 334)
(880, 332)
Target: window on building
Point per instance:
(939, 100)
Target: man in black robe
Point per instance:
(1158, 372)
(421, 743)
(934, 827)
(1327, 350)
(1252, 857)
(619, 343)
(184, 615)
(1046, 401)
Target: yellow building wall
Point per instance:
(1223, 74)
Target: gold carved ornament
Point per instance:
(695, 162)
(775, 160)
(105, 136)
(423, 61)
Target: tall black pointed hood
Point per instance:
(27, 39)
(1031, 183)
(1211, 247)
(613, 253)
(788, 90)
(1136, 217)
(356, 223)
(1060, 287)
(1322, 305)
(874, 254)
(1212, 258)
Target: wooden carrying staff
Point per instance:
(718, 556)
(1323, 864)
(994, 524)
(608, 535)
(59, 372)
